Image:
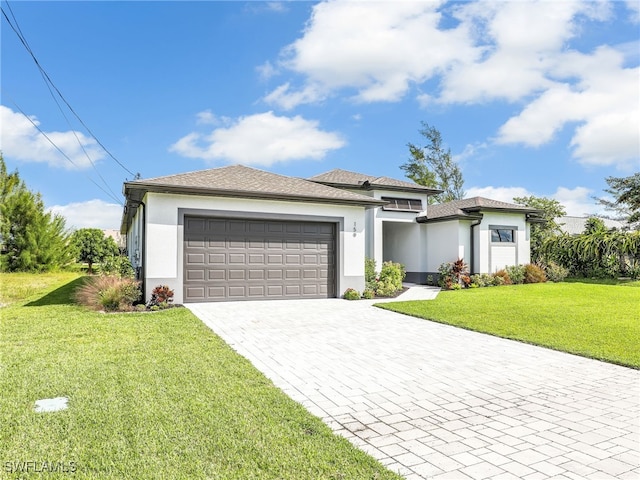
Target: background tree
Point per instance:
(432, 166)
(550, 210)
(31, 238)
(626, 203)
(91, 246)
(594, 225)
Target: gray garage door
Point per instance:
(229, 259)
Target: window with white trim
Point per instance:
(403, 204)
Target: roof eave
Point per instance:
(425, 219)
(134, 192)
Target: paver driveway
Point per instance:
(434, 401)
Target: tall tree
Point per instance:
(626, 195)
(432, 166)
(31, 239)
(550, 210)
(92, 246)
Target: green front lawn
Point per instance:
(151, 395)
(596, 320)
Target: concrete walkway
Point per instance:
(438, 402)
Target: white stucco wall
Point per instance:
(443, 244)
(494, 256)
(399, 228)
(165, 234)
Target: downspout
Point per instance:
(144, 251)
(143, 247)
(472, 248)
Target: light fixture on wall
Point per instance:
(354, 229)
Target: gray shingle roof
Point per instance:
(345, 178)
(469, 207)
(239, 180)
(576, 225)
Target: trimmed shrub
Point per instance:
(109, 293)
(504, 275)
(392, 274)
(534, 274)
(516, 273)
(368, 294)
(351, 294)
(370, 273)
(482, 280)
(556, 273)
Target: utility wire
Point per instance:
(18, 32)
(119, 201)
(24, 41)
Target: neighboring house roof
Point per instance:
(241, 182)
(346, 179)
(575, 225)
(470, 209)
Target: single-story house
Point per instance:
(238, 233)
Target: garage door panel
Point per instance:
(217, 259)
(256, 274)
(274, 259)
(234, 259)
(275, 291)
(193, 274)
(237, 291)
(216, 274)
(195, 258)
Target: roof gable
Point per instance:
(470, 208)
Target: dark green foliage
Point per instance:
(92, 246)
(370, 273)
(602, 254)
(626, 203)
(32, 240)
(550, 211)
(594, 225)
(432, 166)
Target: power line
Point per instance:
(18, 32)
(24, 41)
(112, 196)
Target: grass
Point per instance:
(151, 395)
(599, 320)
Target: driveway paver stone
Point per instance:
(434, 401)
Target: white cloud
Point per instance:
(514, 51)
(605, 104)
(90, 214)
(21, 140)
(261, 139)
(207, 117)
(377, 48)
(266, 70)
(576, 201)
(634, 9)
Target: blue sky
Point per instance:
(537, 98)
